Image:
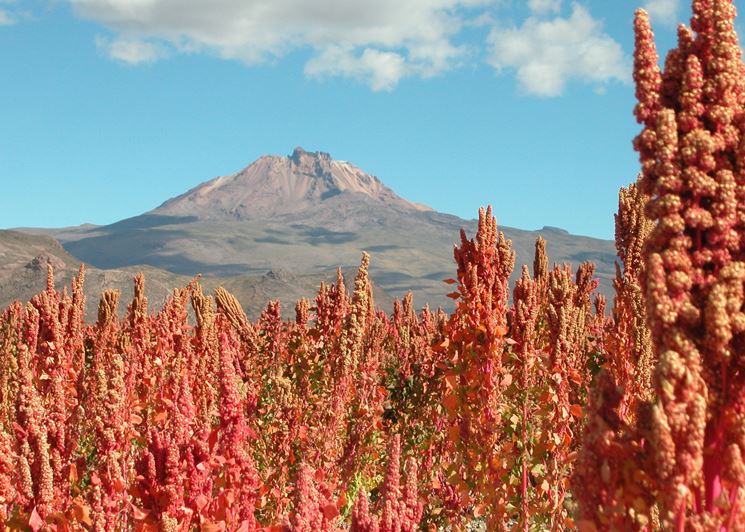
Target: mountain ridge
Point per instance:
(309, 214)
(301, 181)
(23, 274)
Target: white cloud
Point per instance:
(544, 6)
(665, 11)
(381, 70)
(378, 41)
(5, 18)
(130, 51)
(548, 53)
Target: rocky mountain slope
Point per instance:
(23, 274)
(307, 213)
(280, 187)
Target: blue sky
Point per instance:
(109, 107)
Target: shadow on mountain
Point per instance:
(382, 248)
(129, 248)
(597, 258)
(329, 194)
(441, 276)
(321, 235)
(183, 266)
(146, 221)
(271, 240)
(391, 276)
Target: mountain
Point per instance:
(307, 213)
(275, 187)
(23, 274)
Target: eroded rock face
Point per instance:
(280, 274)
(276, 185)
(40, 262)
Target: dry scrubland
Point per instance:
(530, 412)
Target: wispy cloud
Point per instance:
(546, 54)
(544, 6)
(379, 42)
(665, 11)
(6, 19)
(130, 51)
(381, 70)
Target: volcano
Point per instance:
(280, 187)
(307, 213)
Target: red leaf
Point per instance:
(212, 440)
(20, 431)
(60, 520)
(202, 501)
(450, 402)
(330, 511)
(454, 295)
(576, 410)
(139, 514)
(450, 281)
(82, 512)
(118, 484)
(35, 522)
(451, 381)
